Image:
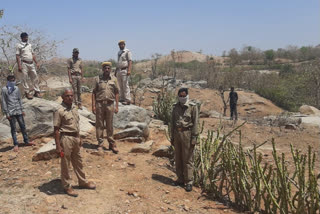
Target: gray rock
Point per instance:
(4, 132)
(142, 126)
(85, 89)
(39, 118)
(130, 132)
(143, 148)
(163, 151)
(290, 126)
(130, 113)
(46, 152)
(132, 139)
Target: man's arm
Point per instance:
(129, 67)
(19, 62)
(172, 127)
(35, 60)
(57, 140)
(81, 68)
(20, 101)
(4, 105)
(195, 128)
(117, 103)
(93, 102)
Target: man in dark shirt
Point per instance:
(233, 98)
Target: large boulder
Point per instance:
(46, 152)
(143, 148)
(4, 132)
(130, 113)
(309, 110)
(39, 118)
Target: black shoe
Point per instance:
(189, 188)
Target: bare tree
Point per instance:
(44, 47)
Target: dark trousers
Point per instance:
(20, 120)
(233, 111)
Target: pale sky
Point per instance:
(151, 26)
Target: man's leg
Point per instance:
(25, 80)
(79, 91)
(22, 125)
(76, 161)
(178, 157)
(231, 112)
(99, 123)
(66, 144)
(34, 78)
(109, 126)
(12, 122)
(235, 112)
(187, 157)
(120, 82)
(126, 88)
(75, 89)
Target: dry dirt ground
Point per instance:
(134, 183)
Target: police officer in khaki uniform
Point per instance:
(75, 73)
(105, 92)
(123, 72)
(184, 130)
(68, 143)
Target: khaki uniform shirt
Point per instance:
(67, 119)
(75, 65)
(24, 50)
(124, 56)
(186, 116)
(106, 89)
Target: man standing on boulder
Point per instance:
(123, 72)
(68, 143)
(184, 133)
(25, 58)
(75, 73)
(233, 98)
(12, 108)
(105, 92)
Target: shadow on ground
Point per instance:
(163, 179)
(52, 187)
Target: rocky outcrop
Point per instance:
(46, 152)
(309, 110)
(39, 118)
(143, 148)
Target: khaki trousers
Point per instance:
(104, 120)
(183, 156)
(29, 71)
(76, 87)
(71, 148)
(123, 81)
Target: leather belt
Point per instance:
(72, 134)
(181, 129)
(28, 62)
(109, 102)
(75, 74)
(124, 68)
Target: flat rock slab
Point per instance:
(142, 126)
(143, 148)
(46, 152)
(132, 139)
(163, 151)
(130, 132)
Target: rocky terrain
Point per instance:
(140, 178)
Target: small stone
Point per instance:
(64, 207)
(51, 200)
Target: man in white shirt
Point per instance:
(25, 58)
(123, 72)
